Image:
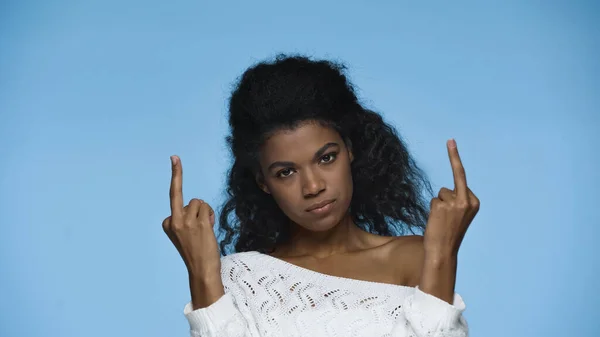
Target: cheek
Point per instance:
(340, 180)
(346, 180)
(346, 190)
(284, 197)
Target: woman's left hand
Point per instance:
(451, 212)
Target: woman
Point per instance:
(321, 195)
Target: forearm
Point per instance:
(438, 276)
(205, 290)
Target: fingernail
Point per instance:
(172, 160)
(452, 143)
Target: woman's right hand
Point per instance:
(190, 229)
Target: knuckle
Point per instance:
(195, 202)
(177, 228)
(188, 223)
(176, 224)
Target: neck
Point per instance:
(342, 238)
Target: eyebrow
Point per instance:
(317, 155)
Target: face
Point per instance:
(307, 172)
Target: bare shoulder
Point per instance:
(407, 255)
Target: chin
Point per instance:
(323, 224)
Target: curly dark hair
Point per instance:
(389, 188)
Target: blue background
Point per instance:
(96, 95)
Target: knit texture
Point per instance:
(266, 296)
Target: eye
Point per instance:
(285, 173)
(328, 158)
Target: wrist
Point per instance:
(203, 275)
(440, 256)
(205, 290)
(204, 271)
(438, 276)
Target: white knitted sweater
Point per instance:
(266, 296)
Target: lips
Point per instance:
(320, 204)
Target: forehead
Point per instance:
(298, 143)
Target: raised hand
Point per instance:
(451, 212)
(190, 229)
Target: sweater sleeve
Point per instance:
(220, 319)
(428, 316)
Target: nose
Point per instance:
(312, 184)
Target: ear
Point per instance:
(260, 181)
(350, 155)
